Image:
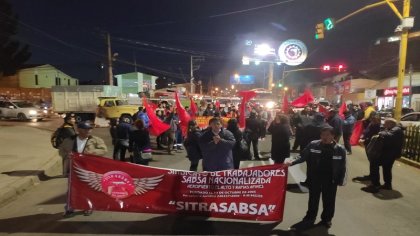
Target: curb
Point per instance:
(20, 186)
(410, 162)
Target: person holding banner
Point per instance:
(326, 161)
(216, 145)
(192, 145)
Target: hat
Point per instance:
(84, 125)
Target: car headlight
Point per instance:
(270, 105)
(45, 111)
(32, 112)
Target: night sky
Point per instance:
(160, 35)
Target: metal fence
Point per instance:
(411, 148)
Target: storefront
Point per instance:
(387, 97)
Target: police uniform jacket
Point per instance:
(315, 155)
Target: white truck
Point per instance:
(89, 101)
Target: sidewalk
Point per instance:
(27, 158)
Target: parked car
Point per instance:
(20, 110)
(409, 119)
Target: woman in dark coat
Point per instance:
(139, 140)
(280, 136)
(237, 152)
(192, 146)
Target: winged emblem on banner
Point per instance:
(117, 184)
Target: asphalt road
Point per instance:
(389, 212)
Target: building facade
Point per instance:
(134, 83)
(42, 76)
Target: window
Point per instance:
(36, 79)
(413, 117)
(109, 104)
(68, 82)
(56, 81)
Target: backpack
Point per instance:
(374, 148)
(57, 138)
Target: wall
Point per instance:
(47, 75)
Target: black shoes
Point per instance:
(371, 189)
(302, 225)
(362, 178)
(386, 187)
(326, 224)
(68, 213)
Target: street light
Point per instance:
(232, 87)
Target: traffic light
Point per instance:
(326, 68)
(329, 23)
(279, 85)
(340, 68)
(319, 31)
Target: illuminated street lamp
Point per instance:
(232, 87)
(217, 89)
(286, 88)
(245, 60)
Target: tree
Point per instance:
(12, 54)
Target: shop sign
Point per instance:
(393, 91)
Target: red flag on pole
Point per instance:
(343, 108)
(184, 117)
(157, 127)
(303, 100)
(285, 107)
(246, 96)
(193, 108)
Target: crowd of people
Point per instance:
(317, 136)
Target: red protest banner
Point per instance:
(102, 184)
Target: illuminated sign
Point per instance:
(242, 79)
(393, 91)
(292, 52)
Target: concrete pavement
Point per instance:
(27, 158)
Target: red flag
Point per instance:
(343, 108)
(102, 184)
(193, 108)
(183, 115)
(246, 96)
(323, 110)
(303, 100)
(217, 104)
(157, 127)
(357, 132)
(285, 107)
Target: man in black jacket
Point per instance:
(393, 140)
(336, 122)
(253, 130)
(327, 169)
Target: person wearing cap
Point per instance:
(83, 142)
(393, 141)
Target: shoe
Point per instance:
(371, 189)
(302, 225)
(362, 178)
(68, 213)
(325, 223)
(348, 153)
(386, 186)
(160, 148)
(87, 212)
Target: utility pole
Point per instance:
(403, 56)
(193, 68)
(109, 54)
(192, 89)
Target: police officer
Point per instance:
(327, 169)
